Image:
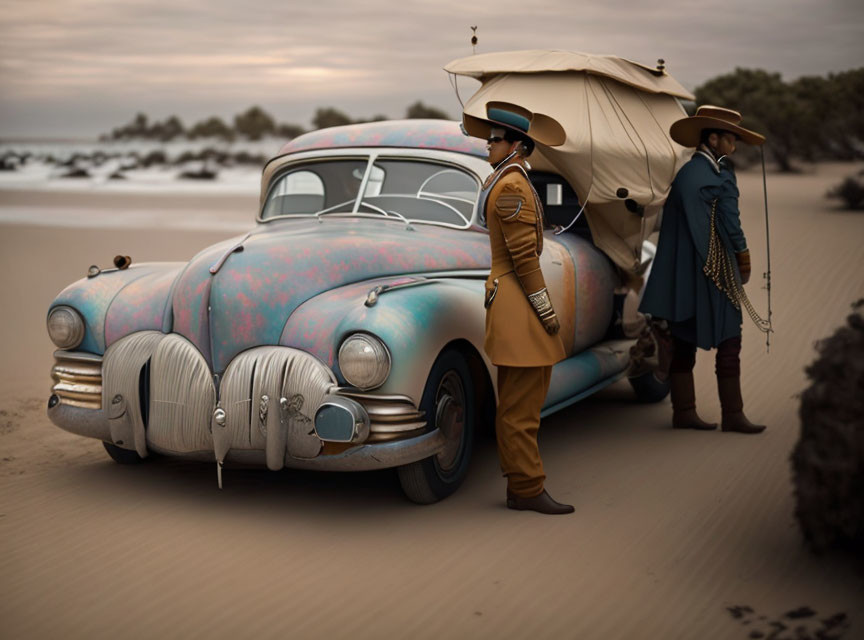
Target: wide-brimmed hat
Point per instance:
(687, 131)
(504, 115)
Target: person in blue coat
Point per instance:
(684, 291)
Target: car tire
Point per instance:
(649, 388)
(448, 402)
(122, 456)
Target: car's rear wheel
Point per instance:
(448, 403)
(122, 456)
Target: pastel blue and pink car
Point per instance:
(343, 332)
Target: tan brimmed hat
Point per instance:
(504, 115)
(687, 131)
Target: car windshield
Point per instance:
(415, 190)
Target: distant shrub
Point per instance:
(186, 156)
(850, 191)
(420, 110)
(244, 157)
(212, 154)
(156, 156)
(291, 131)
(828, 461)
(10, 162)
(202, 173)
(76, 173)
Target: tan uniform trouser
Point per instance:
(521, 392)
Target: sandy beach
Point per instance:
(671, 531)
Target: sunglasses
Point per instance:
(494, 139)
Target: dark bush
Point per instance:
(850, 191)
(244, 157)
(290, 131)
(212, 154)
(326, 117)
(76, 173)
(187, 156)
(202, 173)
(156, 156)
(10, 162)
(420, 110)
(828, 461)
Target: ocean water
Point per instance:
(44, 167)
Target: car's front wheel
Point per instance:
(122, 456)
(448, 403)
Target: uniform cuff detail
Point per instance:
(541, 303)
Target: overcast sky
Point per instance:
(78, 68)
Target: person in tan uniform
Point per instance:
(522, 338)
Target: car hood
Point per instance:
(284, 263)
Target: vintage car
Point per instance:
(344, 332)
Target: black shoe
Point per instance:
(542, 503)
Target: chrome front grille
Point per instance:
(392, 417)
(77, 379)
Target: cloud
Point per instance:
(374, 57)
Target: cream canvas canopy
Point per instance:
(618, 155)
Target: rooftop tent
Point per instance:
(618, 156)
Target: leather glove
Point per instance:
(743, 259)
(551, 325)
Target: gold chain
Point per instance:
(718, 267)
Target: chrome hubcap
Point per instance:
(450, 418)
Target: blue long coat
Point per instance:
(677, 289)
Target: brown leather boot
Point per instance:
(684, 414)
(542, 503)
(734, 419)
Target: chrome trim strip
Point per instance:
(389, 415)
(377, 292)
(81, 356)
(400, 428)
(77, 374)
(85, 392)
(353, 392)
(221, 261)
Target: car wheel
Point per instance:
(122, 456)
(649, 388)
(448, 403)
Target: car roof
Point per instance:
(443, 135)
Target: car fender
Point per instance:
(415, 323)
(117, 302)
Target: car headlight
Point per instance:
(65, 327)
(364, 361)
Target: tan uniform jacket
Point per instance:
(515, 337)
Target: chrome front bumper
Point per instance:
(364, 457)
(154, 392)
